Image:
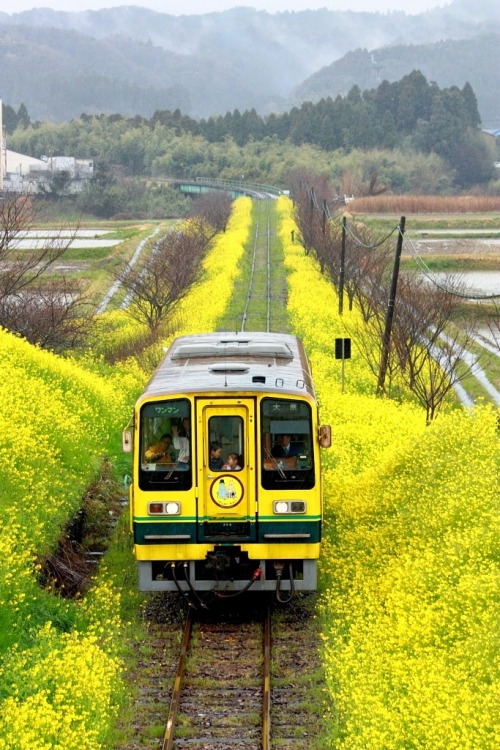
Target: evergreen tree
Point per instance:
(414, 101)
(10, 118)
(470, 103)
(23, 118)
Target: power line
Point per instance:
(424, 268)
(426, 271)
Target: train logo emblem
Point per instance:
(226, 491)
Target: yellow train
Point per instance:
(226, 489)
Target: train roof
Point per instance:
(232, 362)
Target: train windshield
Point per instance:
(287, 455)
(165, 445)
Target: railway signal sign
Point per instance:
(342, 348)
(343, 352)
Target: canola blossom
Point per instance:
(409, 567)
(208, 301)
(56, 422)
(60, 677)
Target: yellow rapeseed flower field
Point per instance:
(410, 564)
(61, 675)
(409, 570)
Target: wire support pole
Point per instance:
(386, 338)
(342, 267)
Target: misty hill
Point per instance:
(448, 63)
(132, 60)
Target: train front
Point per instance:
(226, 493)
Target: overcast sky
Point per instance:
(188, 7)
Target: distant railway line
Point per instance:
(258, 302)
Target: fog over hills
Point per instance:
(131, 60)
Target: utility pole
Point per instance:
(342, 267)
(386, 338)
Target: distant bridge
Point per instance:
(235, 188)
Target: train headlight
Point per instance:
(171, 508)
(289, 507)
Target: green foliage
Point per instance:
(449, 62)
(422, 139)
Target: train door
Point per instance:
(226, 470)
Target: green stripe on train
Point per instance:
(300, 530)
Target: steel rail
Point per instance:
(268, 317)
(175, 702)
(168, 739)
(250, 283)
(257, 239)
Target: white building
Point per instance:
(75, 167)
(25, 174)
(17, 170)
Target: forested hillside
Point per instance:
(449, 63)
(419, 138)
(132, 61)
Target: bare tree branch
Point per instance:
(57, 316)
(158, 283)
(214, 208)
(20, 267)
(53, 313)
(494, 326)
(431, 348)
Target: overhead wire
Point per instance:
(427, 272)
(334, 219)
(424, 268)
(374, 245)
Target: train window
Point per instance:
(226, 441)
(165, 445)
(286, 438)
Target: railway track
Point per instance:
(226, 691)
(244, 679)
(260, 295)
(260, 271)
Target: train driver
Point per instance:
(284, 448)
